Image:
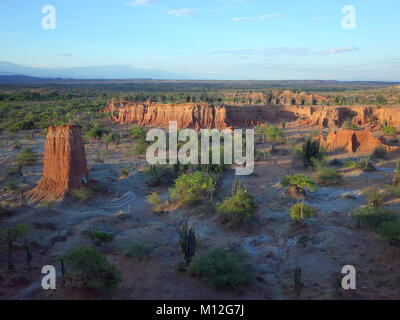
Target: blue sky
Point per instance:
(212, 39)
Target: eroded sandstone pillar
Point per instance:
(65, 167)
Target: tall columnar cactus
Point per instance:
(188, 241)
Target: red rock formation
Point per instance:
(196, 116)
(65, 165)
(361, 141)
(199, 116)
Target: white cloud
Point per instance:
(269, 16)
(185, 12)
(339, 50)
(241, 19)
(139, 3)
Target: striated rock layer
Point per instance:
(199, 116)
(196, 116)
(65, 166)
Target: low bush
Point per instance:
(221, 269)
(91, 269)
(155, 200)
(328, 175)
(238, 208)
(390, 231)
(300, 181)
(301, 211)
(372, 217)
(99, 238)
(389, 131)
(192, 187)
(363, 164)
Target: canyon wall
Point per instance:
(199, 116)
(65, 166)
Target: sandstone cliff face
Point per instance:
(196, 116)
(65, 166)
(335, 116)
(360, 141)
(199, 116)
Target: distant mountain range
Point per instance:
(95, 72)
(11, 73)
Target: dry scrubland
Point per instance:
(287, 216)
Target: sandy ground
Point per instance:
(275, 245)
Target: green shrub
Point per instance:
(387, 130)
(238, 208)
(301, 211)
(375, 197)
(99, 238)
(364, 165)
(390, 231)
(91, 269)
(138, 133)
(300, 181)
(83, 195)
(96, 133)
(328, 176)
(221, 269)
(155, 200)
(138, 248)
(380, 153)
(372, 217)
(192, 187)
(309, 152)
